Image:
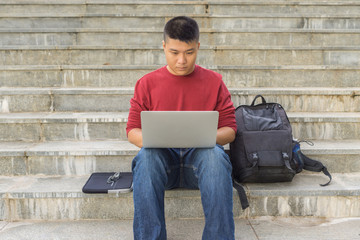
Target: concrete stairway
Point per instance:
(67, 72)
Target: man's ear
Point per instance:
(164, 44)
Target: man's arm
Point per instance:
(225, 135)
(135, 137)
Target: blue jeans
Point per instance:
(158, 169)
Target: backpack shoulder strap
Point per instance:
(315, 166)
(242, 195)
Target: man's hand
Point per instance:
(225, 135)
(135, 137)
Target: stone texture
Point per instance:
(153, 37)
(191, 229)
(126, 76)
(77, 165)
(83, 58)
(302, 197)
(117, 99)
(141, 55)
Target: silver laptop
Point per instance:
(179, 129)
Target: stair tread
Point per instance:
(153, 67)
(157, 47)
(62, 148)
(107, 147)
(67, 117)
(293, 228)
(71, 187)
(194, 15)
(226, 2)
(129, 90)
(159, 30)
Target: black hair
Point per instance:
(182, 28)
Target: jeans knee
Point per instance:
(151, 162)
(216, 158)
(214, 166)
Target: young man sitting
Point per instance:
(182, 85)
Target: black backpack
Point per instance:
(264, 150)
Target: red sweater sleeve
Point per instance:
(226, 109)
(138, 103)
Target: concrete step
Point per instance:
(126, 76)
(86, 126)
(65, 99)
(176, 7)
(66, 158)
(60, 198)
(154, 55)
(117, 99)
(110, 7)
(295, 228)
(149, 20)
(153, 36)
(58, 126)
(69, 158)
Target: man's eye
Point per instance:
(190, 53)
(175, 53)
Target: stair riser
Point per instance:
(304, 102)
(156, 57)
(314, 206)
(171, 8)
(198, 8)
(120, 102)
(63, 165)
(35, 132)
(108, 8)
(116, 131)
(63, 206)
(289, 39)
(233, 78)
(72, 78)
(326, 131)
(204, 22)
(38, 39)
(290, 8)
(55, 165)
(60, 103)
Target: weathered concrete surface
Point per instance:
(177, 7)
(106, 76)
(154, 55)
(153, 37)
(60, 198)
(37, 127)
(84, 157)
(301, 99)
(257, 46)
(103, 20)
(263, 228)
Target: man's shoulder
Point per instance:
(208, 72)
(210, 76)
(153, 75)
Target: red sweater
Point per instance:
(202, 90)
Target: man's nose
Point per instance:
(182, 58)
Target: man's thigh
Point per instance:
(158, 161)
(205, 162)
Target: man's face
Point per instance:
(180, 56)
